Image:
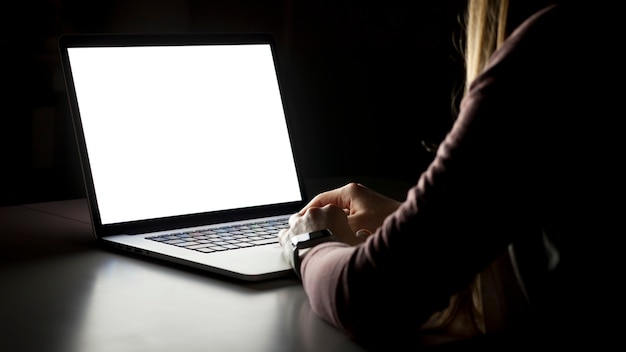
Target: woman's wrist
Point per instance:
(301, 244)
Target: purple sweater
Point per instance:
(506, 170)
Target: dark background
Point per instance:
(365, 81)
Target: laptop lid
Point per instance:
(179, 131)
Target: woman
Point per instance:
(516, 168)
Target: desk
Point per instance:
(62, 292)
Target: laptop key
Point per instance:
(264, 241)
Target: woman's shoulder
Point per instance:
(566, 25)
(558, 37)
(543, 29)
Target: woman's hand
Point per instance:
(327, 217)
(351, 213)
(365, 209)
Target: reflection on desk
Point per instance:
(61, 292)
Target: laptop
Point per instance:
(185, 147)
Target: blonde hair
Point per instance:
(485, 30)
(486, 23)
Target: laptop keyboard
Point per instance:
(226, 237)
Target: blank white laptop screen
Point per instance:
(175, 130)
